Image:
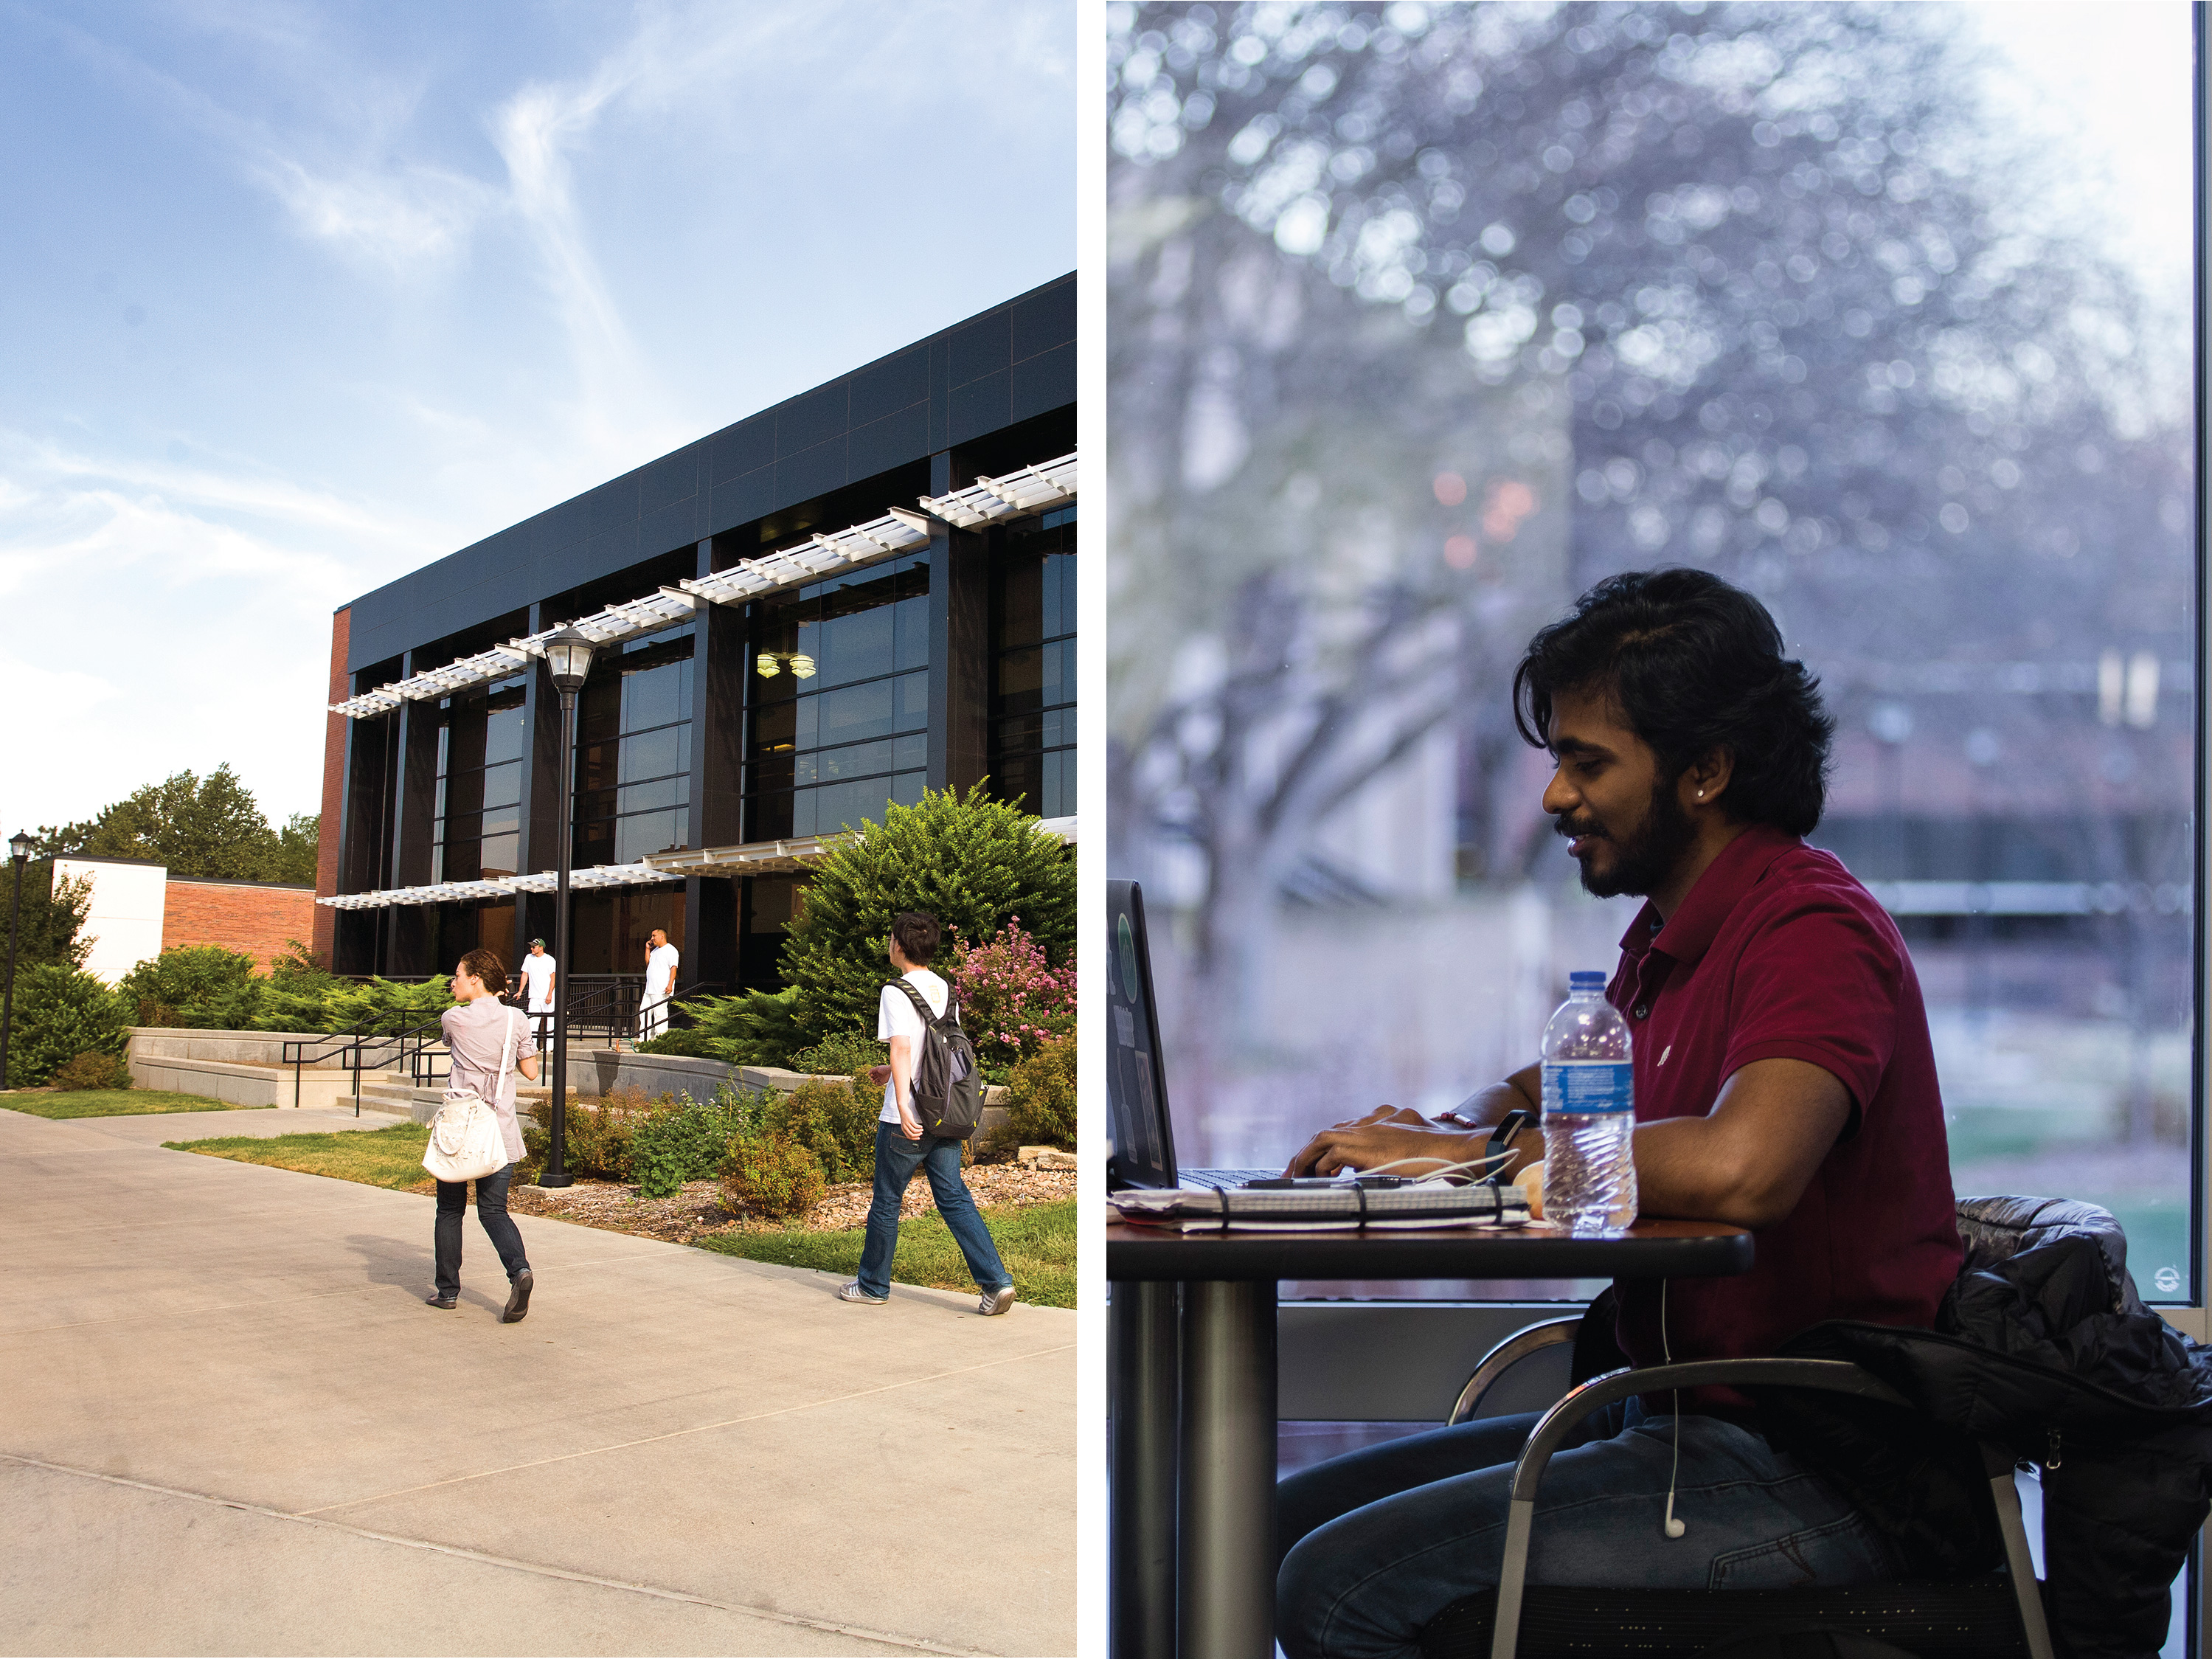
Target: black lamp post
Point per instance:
(19, 850)
(568, 656)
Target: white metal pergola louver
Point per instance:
(985, 501)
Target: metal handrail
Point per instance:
(417, 1050)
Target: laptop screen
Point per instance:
(1136, 1091)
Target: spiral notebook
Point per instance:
(1347, 1207)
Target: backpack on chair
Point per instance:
(948, 1089)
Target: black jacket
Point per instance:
(2043, 1347)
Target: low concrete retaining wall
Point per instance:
(603, 1071)
(245, 1069)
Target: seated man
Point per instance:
(1784, 1083)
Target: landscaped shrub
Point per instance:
(297, 994)
(685, 1140)
(1041, 1098)
(770, 1175)
(754, 1027)
(194, 987)
(835, 1122)
(385, 1005)
(599, 1133)
(92, 1070)
(841, 1055)
(693, 1043)
(1012, 999)
(61, 1011)
(969, 860)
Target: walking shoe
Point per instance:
(439, 1299)
(996, 1302)
(518, 1299)
(853, 1292)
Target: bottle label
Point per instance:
(1589, 1086)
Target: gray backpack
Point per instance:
(948, 1090)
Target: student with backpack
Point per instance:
(932, 1101)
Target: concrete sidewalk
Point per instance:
(232, 1427)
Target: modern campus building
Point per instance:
(863, 591)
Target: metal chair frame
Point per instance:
(1832, 1376)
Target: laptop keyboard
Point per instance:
(1223, 1177)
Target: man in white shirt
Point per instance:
(538, 971)
(902, 1147)
(660, 960)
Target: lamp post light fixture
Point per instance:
(19, 851)
(568, 656)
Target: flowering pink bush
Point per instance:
(1010, 1002)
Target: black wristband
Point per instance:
(1501, 1141)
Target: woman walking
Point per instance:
(477, 1034)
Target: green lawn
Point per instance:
(391, 1157)
(1037, 1242)
(114, 1102)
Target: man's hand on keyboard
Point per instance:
(1389, 1134)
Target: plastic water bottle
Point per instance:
(1589, 1113)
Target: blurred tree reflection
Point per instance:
(1424, 317)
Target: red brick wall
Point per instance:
(324, 933)
(237, 915)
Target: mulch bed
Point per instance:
(698, 1210)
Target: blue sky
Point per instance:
(296, 297)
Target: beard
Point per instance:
(1643, 856)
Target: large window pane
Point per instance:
(1425, 318)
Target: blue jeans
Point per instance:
(491, 1210)
(1379, 1542)
(896, 1159)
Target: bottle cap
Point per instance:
(1586, 982)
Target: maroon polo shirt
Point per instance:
(1779, 953)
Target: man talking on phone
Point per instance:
(1784, 1083)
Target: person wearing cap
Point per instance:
(538, 971)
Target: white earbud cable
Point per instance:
(1674, 1528)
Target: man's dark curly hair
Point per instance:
(1694, 665)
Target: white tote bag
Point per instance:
(465, 1141)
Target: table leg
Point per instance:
(1141, 1337)
(1227, 1553)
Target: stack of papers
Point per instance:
(1347, 1207)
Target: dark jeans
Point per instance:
(1378, 1543)
(896, 1159)
(498, 1225)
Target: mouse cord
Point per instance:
(1673, 1528)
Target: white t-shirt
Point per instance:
(895, 1017)
(537, 974)
(659, 963)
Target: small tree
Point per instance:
(1011, 998)
(200, 986)
(52, 917)
(970, 861)
(1041, 1098)
(61, 1011)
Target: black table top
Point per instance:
(1649, 1250)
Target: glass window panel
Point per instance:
(595, 842)
(860, 760)
(499, 855)
(656, 754)
(500, 820)
(910, 751)
(911, 620)
(858, 711)
(654, 696)
(647, 832)
(850, 648)
(644, 797)
(769, 816)
(1756, 346)
(506, 727)
(502, 784)
(906, 788)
